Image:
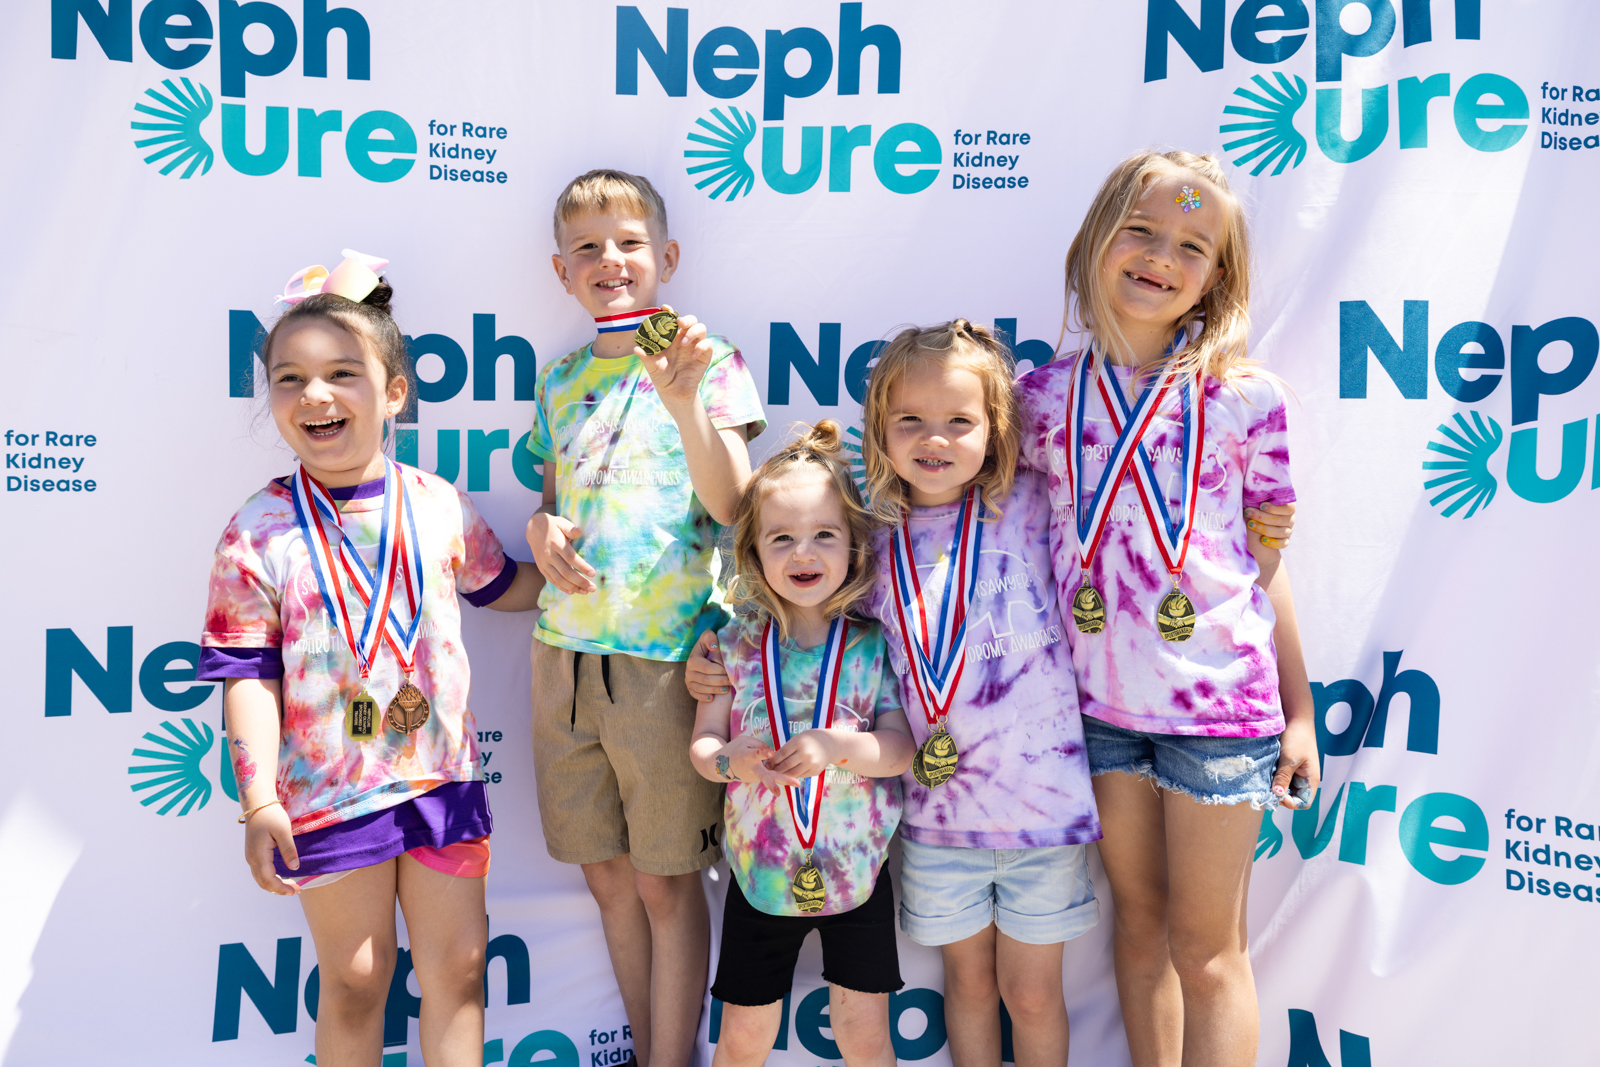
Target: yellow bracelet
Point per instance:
(245, 815)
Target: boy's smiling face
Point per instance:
(614, 264)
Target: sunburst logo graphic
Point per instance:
(1271, 137)
(858, 462)
(726, 168)
(174, 775)
(1469, 484)
(178, 134)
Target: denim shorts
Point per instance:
(1039, 896)
(1211, 770)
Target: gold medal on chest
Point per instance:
(1175, 617)
(1088, 610)
(656, 332)
(408, 710)
(936, 760)
(361, 717)
(809, 892)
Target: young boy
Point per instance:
(644, 456)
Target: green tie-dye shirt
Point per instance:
(622, 478)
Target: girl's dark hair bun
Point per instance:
(379, 298)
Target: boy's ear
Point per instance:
(560, 266)
(669, 259)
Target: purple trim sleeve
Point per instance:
(482, 598)
(240, 663)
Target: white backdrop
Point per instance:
(1425, 283)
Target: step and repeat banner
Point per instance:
(1420, 180)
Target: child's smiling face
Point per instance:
(1163, 259)
(804, 540)
(329, 395)
(614, 264)
(938, 432)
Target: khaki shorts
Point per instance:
(613, 764)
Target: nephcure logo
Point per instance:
(1489, 112)
(169, 119)
(727, 62)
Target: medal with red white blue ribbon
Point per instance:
(398, 564)
(935, 634)
(1172, 526)
(805, 799)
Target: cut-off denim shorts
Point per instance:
(1210, 770)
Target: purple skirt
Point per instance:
(444, 815)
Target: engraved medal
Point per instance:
(408, 710)
(656, 332)
(361, 717)
(935, 761)
(809, 892)
(1088, 609)
(1175, 617)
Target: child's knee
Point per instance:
(668, 894)
(1203, 961)
(1032, 999)
(748, 1033)
(357, 984)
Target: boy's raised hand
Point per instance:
(677, 370)
(553, 541)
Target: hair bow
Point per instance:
(352, 279)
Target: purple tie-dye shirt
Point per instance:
(1223, 681)
(1022, 780)
(264, 595)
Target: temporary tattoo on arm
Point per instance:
(244, 768)
(724, 769)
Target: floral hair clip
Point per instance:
(354, 279)
(1188, 198)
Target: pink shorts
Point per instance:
(464, 859)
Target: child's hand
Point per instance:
(265, 828)
(1270, 525)
(677, 370)
(746, 756)
(703, 674)
(806, 755)
(552, 539)
(1298, 767)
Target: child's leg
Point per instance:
(352, 926)
(860, 1023)
(627, 929)
(449, 939)
(1209, 852)
(747, 1034)
(1030, 983)
(972, 1000)
(1134, 851)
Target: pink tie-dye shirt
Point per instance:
(1022, 780)
(1223, 681)
(264, 595)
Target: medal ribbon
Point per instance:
(624, 323)
(1172, 534)
(938, 652)
(398, 561)
(805, 799)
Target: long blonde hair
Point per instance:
(1218, 327)
(819, 447)
(958, 343)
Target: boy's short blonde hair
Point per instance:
(610, 192)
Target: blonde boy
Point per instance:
(644, 458)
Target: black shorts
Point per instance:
(759, 951)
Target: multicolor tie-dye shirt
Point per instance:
(1022, 778)
(858, 814)
(1222, 681)
(622, 478)
(264, 596)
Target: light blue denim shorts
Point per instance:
(1211, 770)
(1039, 896)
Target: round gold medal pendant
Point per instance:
(809, 892)
(1088, 610)
(1175, 617)
(935, 762)
(361, 717)
(656, 333)
(408, 710)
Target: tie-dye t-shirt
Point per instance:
(622, 478)
(858, 814)
(1022, 779)
(1222, 681)
(264, 596)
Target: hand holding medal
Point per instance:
(675, 353)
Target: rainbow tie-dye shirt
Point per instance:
(264, 608)
(859, 815)
(621, 477)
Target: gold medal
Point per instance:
(936, 760)
(1088, 609)
(1175, 616)
(809, 892)
(408, 710)
(361, 717)
(656, 333)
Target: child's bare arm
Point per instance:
(554, 543)
(882, 752)
(719, 759)
(523, 592)
(250, 712)
(703, 673)
(1270, 527)
(718, 460)
(1299, 743)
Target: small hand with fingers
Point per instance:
(676, 371)
(554, 540)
